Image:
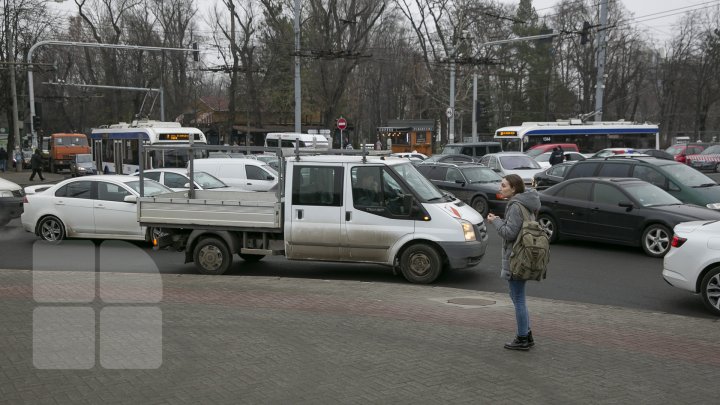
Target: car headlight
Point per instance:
(714, 206)
(81, 169)
(6, 193)
(468, 230)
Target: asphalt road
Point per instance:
(579, 272)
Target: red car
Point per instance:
(681, 150)
(708, 159)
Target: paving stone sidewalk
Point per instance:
(245, 339)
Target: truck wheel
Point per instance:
(420, 264)
(212, 256)
(251, 258)
(710, 290)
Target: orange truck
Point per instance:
(63, 148)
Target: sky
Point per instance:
(658, 15)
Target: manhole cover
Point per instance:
(471, 301)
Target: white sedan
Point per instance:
(177, 179)
(100, 207)
(693, 262)
(544, 158)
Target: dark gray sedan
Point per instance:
(624, 211)
(477, 186)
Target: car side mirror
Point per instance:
(130, 199)
(270, 178)
(627, 205)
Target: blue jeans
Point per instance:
(517, 293)
(2, 164)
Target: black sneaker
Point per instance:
(520, 343)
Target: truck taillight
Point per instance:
(677, 241)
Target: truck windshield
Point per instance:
(422, 186)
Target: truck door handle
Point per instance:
(60, 202)
(348, 215)
(299, 214)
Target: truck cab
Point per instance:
(377, 211)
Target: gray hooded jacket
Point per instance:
(509, 227)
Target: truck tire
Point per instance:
(251, 258)
(212, 256)
(420, 263)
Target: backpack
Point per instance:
(531, 250)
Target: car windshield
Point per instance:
(481, 175)
(518, 162)
(683, 174)
(151, 187)
(545, 157)
(83, 158)
(649, 195)
(208, 181)
(535, 152)
(422, 186)
(675, 149)
(711, 150)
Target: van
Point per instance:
(683, 182)
(548, 147)
(288, 139)
(247, 174)
(474, 149)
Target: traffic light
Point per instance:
(36, 121)
(584, 33)
(196, 52)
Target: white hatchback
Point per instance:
(693, 262)
(504, 163)
(98, 207)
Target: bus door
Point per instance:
(118, 156)
(97, 152)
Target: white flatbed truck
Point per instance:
(356, 209)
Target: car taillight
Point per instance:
(25, 200)
(677, 241)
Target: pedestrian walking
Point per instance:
(513, 188)
(3, 159)
(378, 144)
(36, 164)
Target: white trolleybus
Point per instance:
(589, 137)
(116, 147)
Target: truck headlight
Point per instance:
(468, 230)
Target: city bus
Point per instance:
(116, 147)
(589, 137)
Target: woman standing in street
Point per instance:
(513, 188)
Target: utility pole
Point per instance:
(13, 91)
(600, 81)
(298, 94)
(451, 110)
(474, 107)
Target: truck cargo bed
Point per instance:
(226, 209)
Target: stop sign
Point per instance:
(341, 123)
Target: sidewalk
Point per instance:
(251, 339)
(22, 177)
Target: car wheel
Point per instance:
(549, 224)
(51, 229)
(710, 290)
(656, 240)
(717, 168)
(155, 233)
(212, 256)
(251, 258)
(480, 205)
(420, 264)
